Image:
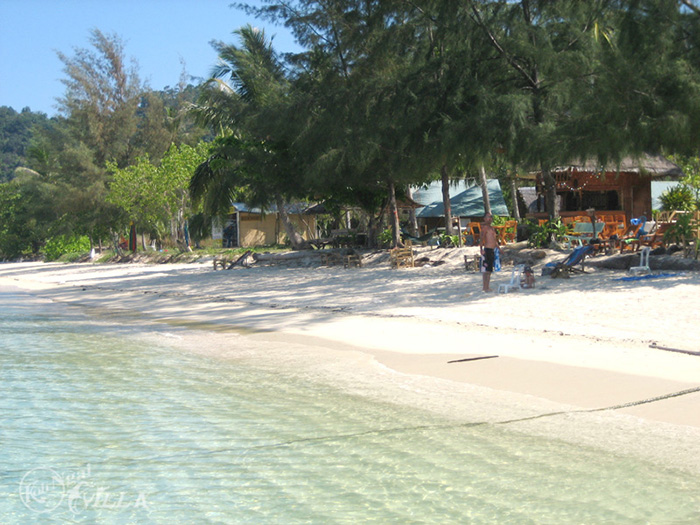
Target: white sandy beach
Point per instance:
(594, 350)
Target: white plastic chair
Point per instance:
(515, 280)
(643, 262)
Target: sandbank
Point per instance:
(571, 358)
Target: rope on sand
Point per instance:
(604, 409)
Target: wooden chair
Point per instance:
(352, 258)
(331, 258)
(656, 238)
(610, 229)
(402, 257)
(511, 231)
(630, 238)
(475, 231)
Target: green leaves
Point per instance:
(156, 196)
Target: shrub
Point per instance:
(679, 197)
(541, 236)
(449, 241)
(60, 245)
(385, 237)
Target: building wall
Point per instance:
(633, 189)
(641, 198)
(259, 230)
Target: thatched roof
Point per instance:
(652, 165)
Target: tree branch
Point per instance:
(496, 44)
(689, 4)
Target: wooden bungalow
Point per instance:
(247, 227)
(623, 189)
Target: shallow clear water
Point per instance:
(99, 427)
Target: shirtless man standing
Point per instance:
(488, 243)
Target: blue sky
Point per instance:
(158, 34)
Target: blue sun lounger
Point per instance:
(566, 267)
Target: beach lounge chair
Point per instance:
(657, 237)
(569, 265)
(637, 228)
(515, 280)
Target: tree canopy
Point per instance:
(384, 95)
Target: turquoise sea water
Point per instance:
(100, 427)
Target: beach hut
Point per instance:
(466, 202)
(623, 188)
(248, 226)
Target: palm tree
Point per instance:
(245, 99)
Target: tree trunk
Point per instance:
(293, 235)
(446, 199)
(514, 193)
(550, 188)
(394, 216)
(412, 214)
(372, 231)
(484, 189)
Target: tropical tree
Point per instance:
(246, 99)
(156, 197)
(360, 126)
(643, 96)
(15, 138)
(691, 179)
(549, 48)
(108, 116)
(27, 216)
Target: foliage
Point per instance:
(109, 118)
(14, 235)
(385, 237)
(199, 226)
(683, 232)
(691, 179)
(499, 220)
(156, 198)
(60, 245)
(26, 215)
(679, 197)
(253, 157)
(15, 137)
(541, 236)
(449, 241)
(384, 95)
